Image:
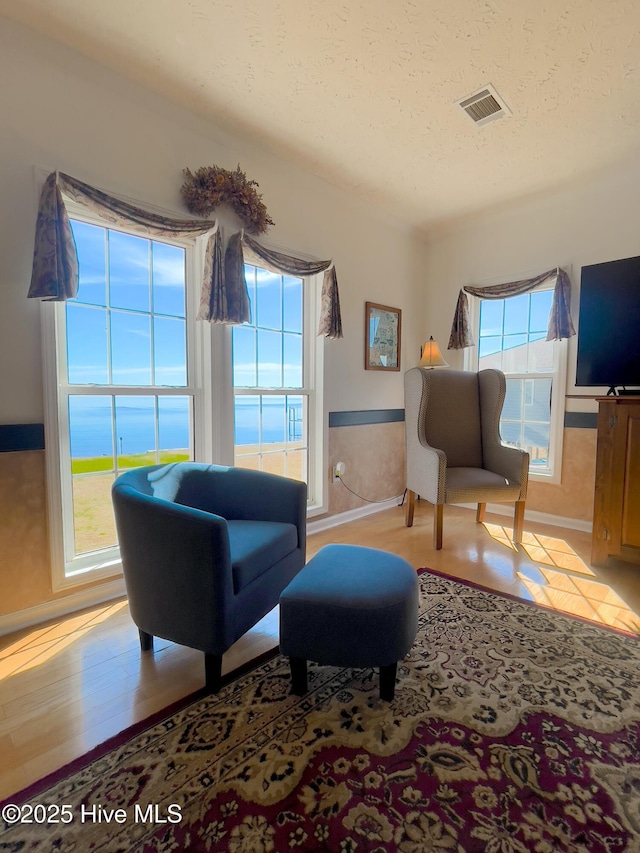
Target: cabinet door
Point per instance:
(630, 532)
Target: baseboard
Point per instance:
(350, 515)
(61, 606)
(542, 517)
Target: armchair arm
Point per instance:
(177, 569)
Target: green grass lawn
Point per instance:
(96, 464)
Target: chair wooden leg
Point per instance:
(438, 517)
(518, 522)
(480, 513)
(212, 672)
(146, 641)
(411, 505)
(388, 681)
(298, 676)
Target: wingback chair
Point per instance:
(206, 551)
(454, 451)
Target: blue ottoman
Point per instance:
(350, 606)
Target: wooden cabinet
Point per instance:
(616, 510)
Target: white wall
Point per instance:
(594, 221)
(60, 110)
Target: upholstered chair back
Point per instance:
(452, 416)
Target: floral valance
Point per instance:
(224, 297)
(560, 323)
(55, 264)
(242, 247)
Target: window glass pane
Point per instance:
(540, 356)
(296, 465)
(94, 526)
(92, 275)
(168, 279)
(273, 419)
(269, 359)
(130, 348)
(129, 271)
(293, 361)
(512, 409)
(536, 441)
(247, 420)
(292, 303)
(541, 301)
(510, 433)
(169, 347)
(514, 357)
(87, 352)
(269, 292)
(491, 313)
(538, 400)
(174, 429)
(296, 419)
(244, 357)
(516, 314)
(135, 431)
(90, 433)
(91, 444)
(487, 346)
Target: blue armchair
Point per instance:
(206, 551)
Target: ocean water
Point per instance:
(95, 427)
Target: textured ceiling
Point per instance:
(362, 92)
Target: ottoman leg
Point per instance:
(388, 681)
(298, 676)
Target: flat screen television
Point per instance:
(609, 326)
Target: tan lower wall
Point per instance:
(573, 497)
(25, 577)
(374, 458)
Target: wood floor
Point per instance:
(68, 686)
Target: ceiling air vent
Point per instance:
(484, 106)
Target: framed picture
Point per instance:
(382, 335)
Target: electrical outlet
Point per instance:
(338, 472)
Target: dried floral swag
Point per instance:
(211, 186)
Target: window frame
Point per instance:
(558, 390)
(68, 571)
(313, 376)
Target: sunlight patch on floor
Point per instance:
(41, 644)
(562, 580)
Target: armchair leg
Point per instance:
(480, 513)
(146, 641)
(212, 672)
(411, 505)
(518, 522)
(388, 681)
(438, 517)
(298, 676)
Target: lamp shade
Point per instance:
(430, 355)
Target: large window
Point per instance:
(124, 391)
(131, 380)
(275, 380)
(512, 335)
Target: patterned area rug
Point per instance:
(513, 729)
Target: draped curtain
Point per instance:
(560, 323)
(55, 263)
(224, 297)
(241, 246)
